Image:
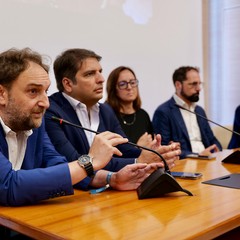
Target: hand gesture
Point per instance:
(145, 140)
(208, 151)
(131, 176)
(103, 148)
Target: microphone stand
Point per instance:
(158, 183)
(61, 121)
(233, 157)
(232, 131)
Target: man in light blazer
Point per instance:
(79, 80)
(175, 124)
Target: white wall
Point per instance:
(154, 37)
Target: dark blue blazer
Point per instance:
(44, 173)
(72, 142)
(235, 139)
(168, 121)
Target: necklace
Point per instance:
(128, 123)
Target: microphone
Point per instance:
(61, 121)
(233, 157)
(232, 131)
(150, 187)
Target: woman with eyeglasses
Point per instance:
(123, 96)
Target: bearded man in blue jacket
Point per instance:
(31, 169)
(176, 124)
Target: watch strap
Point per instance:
(89, 169)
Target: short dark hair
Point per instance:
(68, 63)
(112, 98)
(180, 74)
(14, 61)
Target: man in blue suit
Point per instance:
(235, 139)
(30, 168)
(79, 80)
(176, 124)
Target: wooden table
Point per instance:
(212, 211)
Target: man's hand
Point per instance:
(208, 151)
(169, 152)
(103, 148)
(145, 140)
(131, 176)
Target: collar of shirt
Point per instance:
(182, 103)
(87, 119)
(17, 144)
(75, 103)
(7, 130)
(191, 124)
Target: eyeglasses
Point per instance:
(195, 84)
(124, 84)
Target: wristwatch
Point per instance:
(85, 161)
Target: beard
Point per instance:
(19, 119)
(193, 98)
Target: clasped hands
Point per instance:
(169, 152)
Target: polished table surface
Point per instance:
(212, 211)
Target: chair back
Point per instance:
(223, 135)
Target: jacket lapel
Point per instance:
(73, 118)
(3, 143)
(178, 118)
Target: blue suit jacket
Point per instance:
(44, 173)
(235, 140)
(72, 142)
(168, 121)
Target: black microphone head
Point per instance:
(56, 118)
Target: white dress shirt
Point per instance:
(17, 143)
(88, 120)
(191, 125)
